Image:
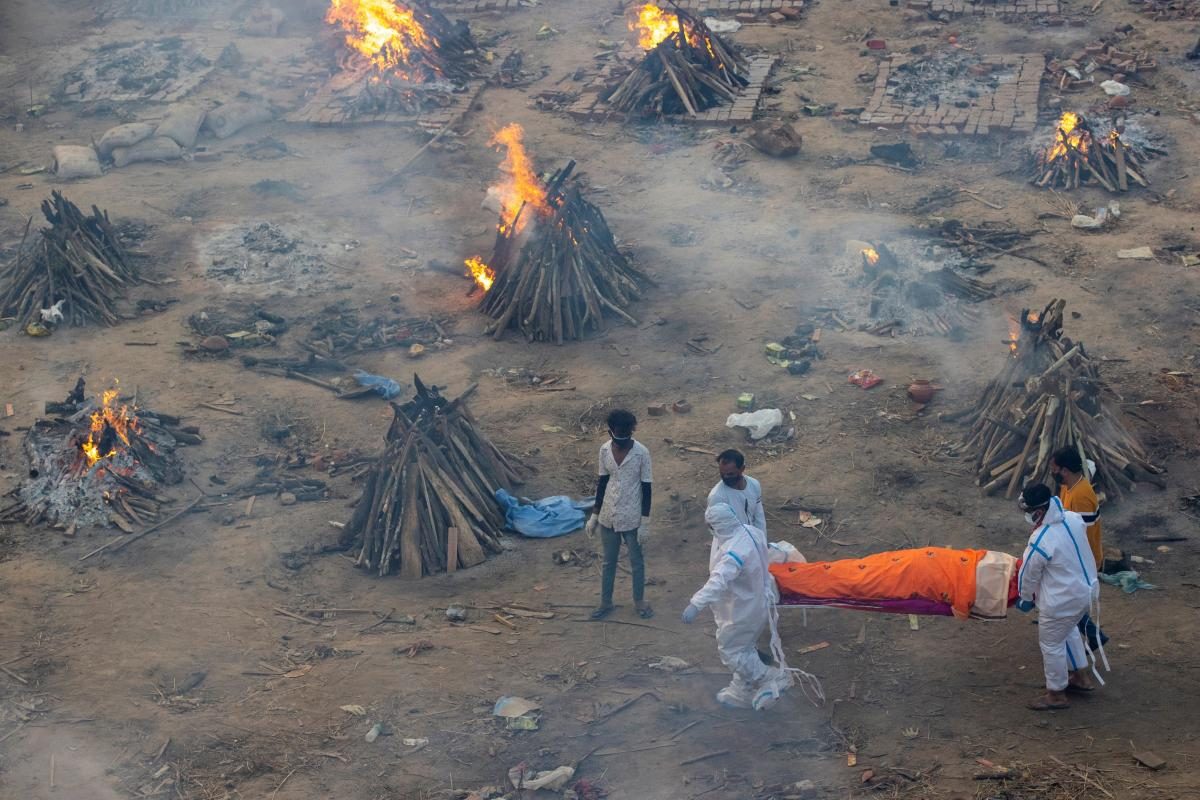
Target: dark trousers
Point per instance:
(1092, 633)
(611, 540)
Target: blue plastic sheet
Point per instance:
(545, 518)
(386, 387)
(1128, 580)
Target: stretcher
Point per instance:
(933, 581)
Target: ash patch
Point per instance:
(266, 254)
(160, 69)
(953, 78)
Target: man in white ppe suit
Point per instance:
(741, 593)
(1058, 577)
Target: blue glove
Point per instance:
(1025, 606)
(690, 613)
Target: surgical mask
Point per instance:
(731, 480)
(1029, 518)
(621, 440)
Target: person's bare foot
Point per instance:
(1050, 701)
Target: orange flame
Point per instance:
(484, 275)
(870, 255)
(653, 26)
(1069, 136)
(522, 186)
(108, 417)
(1014, 333)
(1033, 317)
(384, 31)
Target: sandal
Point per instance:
(1076, 689)
(1041, 705)
(645, 611)
(602, 612)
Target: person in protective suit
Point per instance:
(741, 593)
(1058, 577)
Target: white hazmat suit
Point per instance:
(1058, 573)
(741, 593)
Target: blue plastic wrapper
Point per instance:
(546, 518)
(385, 387)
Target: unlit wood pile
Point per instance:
(690, 71)
(1048, 396)
(429, 503)
(1079, 156)
(77, 260)
(560, 280)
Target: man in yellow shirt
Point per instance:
(1076, 493)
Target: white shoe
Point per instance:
(736, 695)
(771, 688)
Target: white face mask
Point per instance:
(1029, 518)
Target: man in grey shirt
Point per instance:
(739, 490)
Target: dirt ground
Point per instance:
(93, 652)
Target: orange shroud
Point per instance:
(937, 574)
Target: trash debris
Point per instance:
(778, 139)
(1128, 580)
(524, 777)
(511, 707)
(386, 387)
(356, 710)
(1150, 760)
(900, 154)
(456, 614)
(523, 723)
(722, 25)
(669, 664)
(422, 742)
(865, 379)
(1115, 89)
(375, 732)
(745, 401)
(757, 423)
(545, 518)
(1138, 253)
(681, 407)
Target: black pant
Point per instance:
(1092, 633)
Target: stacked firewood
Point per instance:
(429, 503)
(120, 483)
(427, 47)
(561, 281)
(689, 71)
(77, 266)
(1079, 156)
(1048, 396)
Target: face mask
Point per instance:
(1029, 518)
(731, 480)
(621, 440)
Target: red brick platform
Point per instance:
(1012, 105)
(991, 8)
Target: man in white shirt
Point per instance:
(622, 510)
(741, 492)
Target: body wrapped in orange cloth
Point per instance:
(977, 584)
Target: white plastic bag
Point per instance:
(758, 423)
(784, 553)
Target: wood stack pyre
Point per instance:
(555, 271)
(402, 56)
(99, 461)
(1079, 156)
(76, 266)
(1048, 396)
(686, 69)
(429, 503)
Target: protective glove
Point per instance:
(593, 522)
(1025, 606)
(690, 613)
(643, 531)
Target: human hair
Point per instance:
(621, 419)
(1068, 458)
(732, 456)
(1035, 496)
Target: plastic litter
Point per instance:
(385, 387)
(526, 723)
(545, 518)
(722, 25)
(1139, 253)
(865, 378)
(758, 423)
(669, 664)
(375, 732)
(1128, 580)
(523, 776)
(510, 707)
(1115, 89)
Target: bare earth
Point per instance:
(92, 651)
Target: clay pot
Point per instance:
(922, 391)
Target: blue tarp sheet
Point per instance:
(545, 518)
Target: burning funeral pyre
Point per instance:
(1080, 155)
(686, 67)
(100, 461)
(555, 269)
(1048, 396)
(402, 56)
(429, 503)
(71, 272)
